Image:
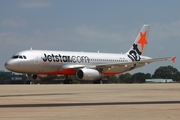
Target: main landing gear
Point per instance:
(67, 81)
(98, 81)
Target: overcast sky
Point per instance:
(90, 25)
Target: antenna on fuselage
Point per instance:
(31, 48)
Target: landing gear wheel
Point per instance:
(31, 78)
(34, 77)
(67, 81)
(98, 82)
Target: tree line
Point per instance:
(164, 72)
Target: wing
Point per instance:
(145, 62)
(108, 65)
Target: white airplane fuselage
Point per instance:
(54, 62)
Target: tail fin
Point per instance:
(140, 44)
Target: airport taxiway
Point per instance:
(90, 101)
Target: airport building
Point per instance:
(159, 81)
(10, 78)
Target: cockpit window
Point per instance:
(15, 56)
(19, 56)
(24, 57)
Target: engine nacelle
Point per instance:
(88, 74)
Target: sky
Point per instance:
(109, 26)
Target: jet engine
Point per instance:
(88, 74)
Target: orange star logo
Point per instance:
(173, 59)
(142, 40)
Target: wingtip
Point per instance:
(173, 59)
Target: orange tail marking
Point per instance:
(174, 59)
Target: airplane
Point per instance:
(88, 66)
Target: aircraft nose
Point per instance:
(9, 65)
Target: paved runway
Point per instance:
(90, 102)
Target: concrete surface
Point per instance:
(90, 102)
